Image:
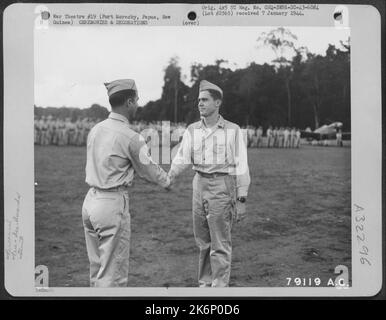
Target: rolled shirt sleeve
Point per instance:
(144, 165)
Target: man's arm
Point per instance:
(241, 160)
(144, 165)
(183, 158)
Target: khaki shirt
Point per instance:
(115, 152)
(220, 149)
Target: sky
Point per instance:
(72, 63)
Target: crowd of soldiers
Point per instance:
(59, 132)
(51, 131)
(275, 137)
(64, 132)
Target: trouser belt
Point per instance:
(119, 188)
(212, 175)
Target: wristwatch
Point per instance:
(242, 199)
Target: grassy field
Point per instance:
(299, 222)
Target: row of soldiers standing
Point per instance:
(51, 131)
(277, 137)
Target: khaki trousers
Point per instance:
(213, 215)
(106, 221)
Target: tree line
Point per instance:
(94, 112)
(306, 90)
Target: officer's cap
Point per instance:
(120, 85)
(206, 85)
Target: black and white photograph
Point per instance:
(192, 151)
(285, 90)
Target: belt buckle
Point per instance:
(207, 175)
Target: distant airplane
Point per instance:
(326, 132)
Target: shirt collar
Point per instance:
(117, 116)
(220, 122)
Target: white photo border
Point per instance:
(366, 145)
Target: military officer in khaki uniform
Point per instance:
(43, 130)
(297, 138)
(70, 131)
(281, 137)
(218, 152)
(339, 141)
(292, 138)
(269, 136)
(259, 133)
(61, 133)
(114, 153)
(286, 134)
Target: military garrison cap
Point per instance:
(206, 85)
(119, 85)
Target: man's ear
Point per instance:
(129, 101)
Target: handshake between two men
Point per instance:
(115, 152)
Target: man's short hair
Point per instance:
(216, 95)
(119, 98)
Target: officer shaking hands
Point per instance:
(217, 150)
(114, 153)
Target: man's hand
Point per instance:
(241, 211)
(171, 179)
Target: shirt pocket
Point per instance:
(220, 153)
(197, 151)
